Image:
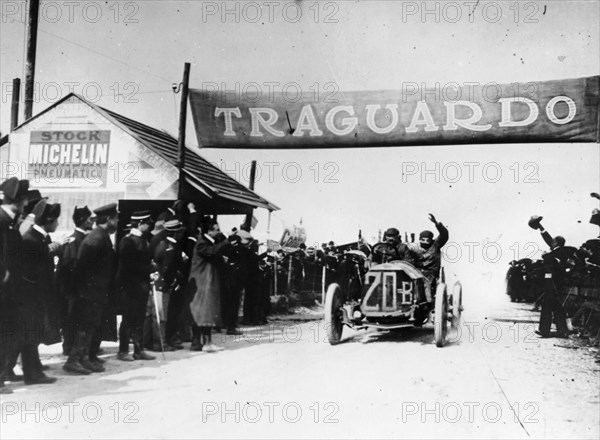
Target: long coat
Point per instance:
(206, 277)
(38, 294)
(135, 265)
(96, 267)
(11, 252)
(67, 265)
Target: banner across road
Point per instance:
(534, 112)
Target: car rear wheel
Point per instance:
(457, 306)
(333, 314)
(441, 315)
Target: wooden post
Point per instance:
(32, 29)
(182, 126)
(248, 222)
(323, 277)
(275, 272)
(289, 278)
(14, 108)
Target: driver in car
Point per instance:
(394, 249)
(429, 255)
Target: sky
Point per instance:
(131, 53)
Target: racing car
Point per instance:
(390, 295)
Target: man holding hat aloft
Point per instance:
(96, 264)
(67, 283)
(555, 263)
(133, 278)
(14, 200)
(36, 294)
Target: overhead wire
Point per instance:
(82, 47)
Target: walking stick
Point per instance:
(162, 346)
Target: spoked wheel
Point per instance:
(457, 306)
(333, 313)
(441, 315)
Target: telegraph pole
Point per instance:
(14, 107)
(182, 126)
(32, 30)
(248, 222)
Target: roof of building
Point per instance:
(200, 174)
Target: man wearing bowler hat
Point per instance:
(36, 293)
(133, 278)
(14, 201)
(96, 264)
(67, 282)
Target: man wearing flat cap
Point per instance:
(392, 248)
(96, 266)
(133, 279)
(37, 291)
(14, 200)
(67, 282)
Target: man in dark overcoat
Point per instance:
(67, 284)
(14, 200)
(555, 263)
(96, 263)
(133, 279)
(37, 294)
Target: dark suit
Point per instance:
(36, 296)
(67, 285)
(133, 277)
(171, 268)
(95, 284)
(11, 244)
(554, 277)
(157, 239)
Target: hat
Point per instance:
(426, 234)
(178, 206)
(392, 232)
(81, 214)
(45, 211)
(534, 221)
(33, 196)
(39, 207)
(109, 210)
(245, 236)
(173, 226)
(14, 189)
(595, 220)
(141, 216)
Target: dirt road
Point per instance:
(495, 380)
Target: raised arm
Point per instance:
(442, 237)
